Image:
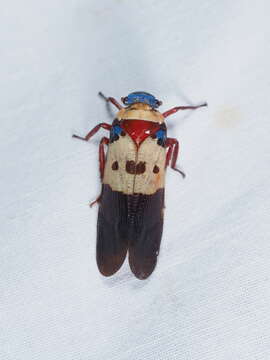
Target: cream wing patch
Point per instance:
(120, 151)
(123, 150)
(153, 177)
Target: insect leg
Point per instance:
(103, 141)
(93, 131)
(110, 99)
(172, 154)
(177, 108)
(102, 158)
(169, 154)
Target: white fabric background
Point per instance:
(209, 295)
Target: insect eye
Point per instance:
(124, 100)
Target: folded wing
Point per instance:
(145, 232)
(112, 231)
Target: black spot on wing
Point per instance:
(140, 168)
(145, 219)
(131, 167)
(111, 231)
(115, 165)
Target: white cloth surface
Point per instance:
(210, 293)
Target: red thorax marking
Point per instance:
(139, 130)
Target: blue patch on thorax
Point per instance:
(160, 134)
(142, 97)
(116, 130)
(161, 137)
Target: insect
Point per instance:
(131, 204)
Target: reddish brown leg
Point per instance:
(177, 108)
(95, 201)
(102, 159)
(169, 154)
(111, 99)
(93, 131)
(172, 154)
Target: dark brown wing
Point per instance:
(111, 231)
(145, 214)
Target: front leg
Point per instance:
(172, 154)
(93, 131)
(177, 108)
(111, 100)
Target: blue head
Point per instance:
(141, 97)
